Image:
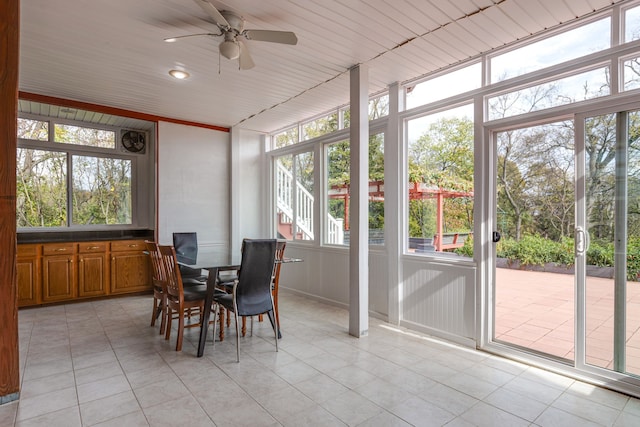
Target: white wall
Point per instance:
(193, 184)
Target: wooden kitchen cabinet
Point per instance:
(28, 274)
(130, 267)
(67, 271)
(93, 269)
(59, 277)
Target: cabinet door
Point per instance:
(28, 277)
(129, 272)
(92, 275)
(93, 269)
(58, 278)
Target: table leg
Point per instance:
(206, 312)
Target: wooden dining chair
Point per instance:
(159, 286)
(251, 294)
(181, 300)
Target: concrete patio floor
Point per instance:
(536, 310)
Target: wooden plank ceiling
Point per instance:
(111, 52)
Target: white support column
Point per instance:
(235, 240)
(359, 239)
(393, 189)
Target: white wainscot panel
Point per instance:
(324, 275)
(439, 299)
(379, 284)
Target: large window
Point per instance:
(72, 177)
(440, 181)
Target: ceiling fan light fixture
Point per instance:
(179, 74)
(229, 49)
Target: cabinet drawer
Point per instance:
(92, 247)
(26, 250)
(127, 245)
(58, 248)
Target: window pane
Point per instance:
(284, 196)
(294, 196)
(440, 166)
(444, 86)
(41, 188)
(320, 126)
(588, 85)
(338, 156)
(631, 71)
(632, 24)
(101, 190)
(304, 196)
(572, 44)
(376, 189)
(286, 137)
(378, 107)
(68, 134)
(33, 129)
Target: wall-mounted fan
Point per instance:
(231, 26)
(134, 141)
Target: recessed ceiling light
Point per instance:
(179, 74)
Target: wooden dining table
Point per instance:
(214, 263)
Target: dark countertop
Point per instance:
(84, 236)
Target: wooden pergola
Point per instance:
(417, 191)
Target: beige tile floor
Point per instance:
(99, 363)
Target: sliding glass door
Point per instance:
(567, 266)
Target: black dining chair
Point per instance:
(186, 246)
(251, 294)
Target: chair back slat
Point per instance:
(156, 268)
(173, 279)
(253, 292)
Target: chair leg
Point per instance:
(237, 336)
(169, 319)
(180, 332)
(163, 322)
(276, 328)
(216, 311)
(154, 313)
(276, 312)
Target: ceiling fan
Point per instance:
(231, 26)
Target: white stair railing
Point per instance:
(304, 199)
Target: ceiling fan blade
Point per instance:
(245, 61)
(174, 39)
(284, 37)
(213, 13)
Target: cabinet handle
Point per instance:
(61, 250)
(133, 246)
(93, 247)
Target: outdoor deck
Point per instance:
(536, 310)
